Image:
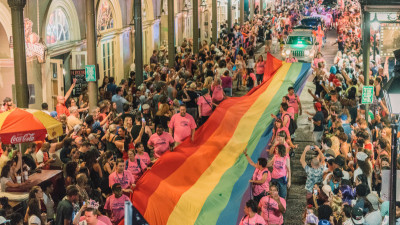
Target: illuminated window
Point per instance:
(107, 49)
(57, 29)
(105, 17)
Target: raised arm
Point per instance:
(248, 158)
(303, 156)
(70, 90)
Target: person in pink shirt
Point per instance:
(281, 169)
(115, 204)
(261, 177)
(273, 206)
(251, 217)
(182, 125)
(135, 166)
(160, 142)
(281, 135)
(294, 102)
(91, 218)
(260, 68)
(290, 110)
(205, 104)
(91, 215)
(141, 154)
(226, 83)
(123, 177)
(217, 91)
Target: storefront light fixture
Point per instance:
(375, 23)
(185, 10)
(203, 6)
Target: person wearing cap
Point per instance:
(357, 216)
(315, 171)
(364, 166)
(317, 120)
(373, 217)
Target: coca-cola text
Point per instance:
(15, 139)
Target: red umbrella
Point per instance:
(27, 125)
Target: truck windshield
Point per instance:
(300, 40)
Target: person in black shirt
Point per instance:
(136, 131)
(318, 121)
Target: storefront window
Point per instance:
(57, 29)
(105, 17)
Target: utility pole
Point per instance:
(241, 9)
(214, 21)
(366, 46)
(18, 32)
(91, 38)
(261, 7)
(171, 34)
(229, 15)
(138, 42)
(196, 32)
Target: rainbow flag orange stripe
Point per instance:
(204, 182)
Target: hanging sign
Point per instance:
(90, 73)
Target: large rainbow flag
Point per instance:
(205, 182)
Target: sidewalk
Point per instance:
(296, 201)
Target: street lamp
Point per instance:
(375, 26)
(203, 6)
(392, 96)
(204, 10)
(185, 10)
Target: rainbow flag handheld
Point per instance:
(205, 182)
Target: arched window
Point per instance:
(57, 29)
(105, 17)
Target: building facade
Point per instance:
(55, 33)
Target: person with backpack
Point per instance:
(287, 120)
(134, 165)
(261, 177)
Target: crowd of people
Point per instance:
(347, 164)
(104, 152)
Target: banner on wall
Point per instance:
(81, 82)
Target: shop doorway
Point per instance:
(57, 80)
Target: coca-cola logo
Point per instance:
(15, 139)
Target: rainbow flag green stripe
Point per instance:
(219, 197)
(201, 181)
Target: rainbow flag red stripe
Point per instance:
(204, 182)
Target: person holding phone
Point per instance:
(273, 206)
(315, 170)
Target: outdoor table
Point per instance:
(36, 179)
